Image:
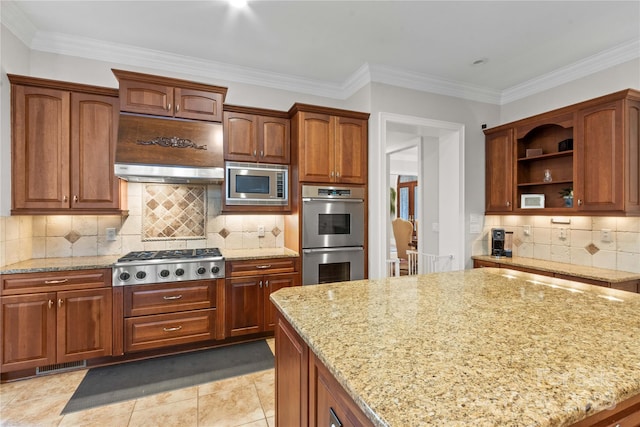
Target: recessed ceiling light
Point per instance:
(238, 3)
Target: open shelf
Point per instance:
(566, 153)
(530, 184)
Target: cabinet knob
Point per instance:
(169, 107)
(75, 199)
(65, 198)
(177, 108)
(60, 302)
(260, 283)
(261, 153)
(338, 174)
(50, 303)
(508, 203)
(331, 174)
(254, 153)
(579, 202)
(266, 284)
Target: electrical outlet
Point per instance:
(605, 235)
(111, 234)
(261, 231)
(526, 230)
(562, 233)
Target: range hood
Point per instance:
(152, 149)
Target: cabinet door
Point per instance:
(198, 104)
(243, 306)
(28, 331)
(94, 132)
(272, 284)
(316, 147)
(240, 137)
(292, 373)
(146, 98)
(600, 145)
(499, 171)
(40, 168)
(351, 151)
(274, 144)
(84, 324)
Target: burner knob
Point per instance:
(141, 275)
(164, 273)
(201, 270)
(125, 276)
(215, 269)
(180, 272)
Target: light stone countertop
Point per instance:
(472, 348)
(614, 276)
(37, 265)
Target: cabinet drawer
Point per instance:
(166, 298)
(13, 284)
(261, 266)
(164, 330)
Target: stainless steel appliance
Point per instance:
(147, 267)
(332, 234)
(256, 184)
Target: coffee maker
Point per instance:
(497, 242)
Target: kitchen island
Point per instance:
(475, 347)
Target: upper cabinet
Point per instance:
(583, 159)
(256, 135)
(330, 144)
(63, 148)
(163, 96)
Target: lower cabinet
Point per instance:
(307, 394)
(59, 326)
(169, 314)
(248, 309)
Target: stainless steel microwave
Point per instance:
(256, 184)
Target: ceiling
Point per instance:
(332, 47)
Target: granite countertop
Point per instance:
(37, 265)
(474, 347)
(605, 275)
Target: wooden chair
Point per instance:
(402, 232)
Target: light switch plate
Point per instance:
(605, 235)
(111, 234)
(261, 231)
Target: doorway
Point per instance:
(440, 200)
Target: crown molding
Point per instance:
(12, 17)
(598, 62)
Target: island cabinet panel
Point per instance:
(499, 171)
(256, 135)
(63, 148)
(65, 321)
(292, 377)
(249, 284)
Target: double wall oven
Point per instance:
(332, 234)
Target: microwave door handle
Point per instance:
(315, 199)
(343, 249)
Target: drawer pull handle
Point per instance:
(173, 297)
(60, 302)
(177, 328)
(55, 282)
(50, 303)
(262, 267)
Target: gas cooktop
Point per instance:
(149, 267)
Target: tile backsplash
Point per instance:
(604, 242)
(174, 212)
(25, 237)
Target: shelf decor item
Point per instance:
(567, 195)
(532, 152)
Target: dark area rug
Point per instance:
(132, 380)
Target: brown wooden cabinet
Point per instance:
(59, 324)
(249, 284)
(330, 145)
(163, 96)
(63, 148)
(499, 171)
(590, 148)
(169, 314)
(307, 394)
(256, 135)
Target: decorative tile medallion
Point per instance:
(224, 233)
(72, 236)
(592, 249)
(276, 231)
(174, 212)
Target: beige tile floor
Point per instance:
(246, 401)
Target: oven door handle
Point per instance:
(315, 199)
(342, 249)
